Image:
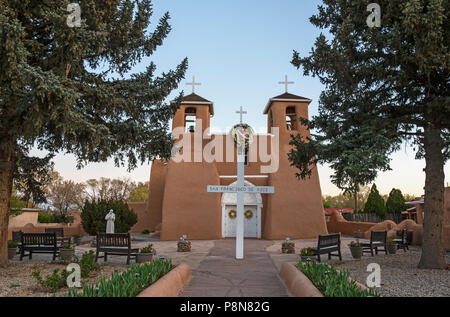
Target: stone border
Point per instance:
(170, 284)
(296, 282)
(299, 285)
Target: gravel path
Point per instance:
(400, 276)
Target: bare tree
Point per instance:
(110, 189)
(65, 195)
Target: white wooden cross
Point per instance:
(286, 83)
(193, 84)
(241, 112)
(240, 189)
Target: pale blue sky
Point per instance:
(239, 51)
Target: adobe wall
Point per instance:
(69, 229)
(392, 228)
(338, 224)
(182, 213)
(23, 219)
(140, 208)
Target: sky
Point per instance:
(239, 50)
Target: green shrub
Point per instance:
(12, 244)
(375, 203)
(51, 218)
(87, 263)
(146, 231)
(306, 252)
(126, 284)
(354, 244)
(45, 218)
(52, 282)
(66, 246)
(93, 216)
(332, 283)
(148, 249)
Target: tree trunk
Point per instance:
(7, 161)
(433, 255)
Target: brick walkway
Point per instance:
(221, 275)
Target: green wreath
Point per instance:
(232, 214)
(248, 214)
(251, 133)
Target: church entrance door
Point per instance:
(252, 214)
(251, 222)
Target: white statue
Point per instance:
(110, 218)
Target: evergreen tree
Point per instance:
(375, 203)
(384, 86)
(71, 89)
(395, 203)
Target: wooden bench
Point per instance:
(115, 244)
(378, 239)
(328, 244)
(38, 243)
(59, 235)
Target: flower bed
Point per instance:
(126, 284)
(333, 283)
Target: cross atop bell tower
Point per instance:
(286, 83)
(193, 84)
(241, 112)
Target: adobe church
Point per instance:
(179, 203)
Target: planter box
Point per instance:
(11, 253)
(170, 284)
(67, 254)
(299, 285)
(357, 252)
(144, 257)
(296, 282)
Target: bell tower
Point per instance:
(185, 181)
(193, 108)
(296, 209)
(284, 112)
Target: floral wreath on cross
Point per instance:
(232, 214)
(248, 214)
(249, 130)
